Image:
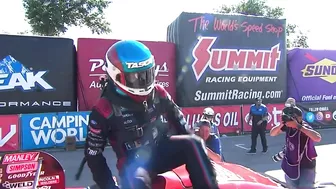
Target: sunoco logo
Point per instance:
(324, 69)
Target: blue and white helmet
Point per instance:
(131, 66)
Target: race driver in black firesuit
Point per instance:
(130, 115)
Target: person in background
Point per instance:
(290, 108)
(209, 114)
(259, 115)
(211, 140)
(299, 162)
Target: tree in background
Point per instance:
(295, 37)
(54, 17)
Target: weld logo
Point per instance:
(324, 69)
(232, 59)
(13, 75)
(22, 185)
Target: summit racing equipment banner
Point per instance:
(274, 116)
(319, 114)
(9, 133)
(312, 75)
(229, 59)
(227, 118)
(91, 65)
(18, 170)
(37, 75)
(50, 129)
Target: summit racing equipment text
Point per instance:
(232, 59)
(235, 94)
(241, 79)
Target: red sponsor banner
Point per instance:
(227, 118)
(274, 116)
(9, 133)
(91, 60)
(18, 170)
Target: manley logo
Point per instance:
(232, 59)
(324, 69)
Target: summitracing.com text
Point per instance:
(235, 94)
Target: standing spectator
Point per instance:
(299, 160)
(259, 115)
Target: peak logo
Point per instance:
(232, 59)
(324, 69)
(14, 75)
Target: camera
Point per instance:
(287, 114)
(290, 114)
(279, 156)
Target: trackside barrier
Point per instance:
(49, 130)
(233, 119)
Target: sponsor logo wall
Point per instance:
(319, 115)
(214, 68)
(38, 131)
(231, 119)
(312, 75)
(18, 170)
(37, 75)
(227, 118)
(50, 129)
(91, 65)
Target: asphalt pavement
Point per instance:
(235, 149)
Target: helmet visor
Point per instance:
(140, 80)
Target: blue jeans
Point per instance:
(306, 180)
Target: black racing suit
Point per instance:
(139, 138)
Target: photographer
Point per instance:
(299, 160)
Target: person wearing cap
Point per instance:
(299, 162)
(211, 140)
(259, 116)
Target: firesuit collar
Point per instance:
(123, 101)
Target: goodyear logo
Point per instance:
(324, 69)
